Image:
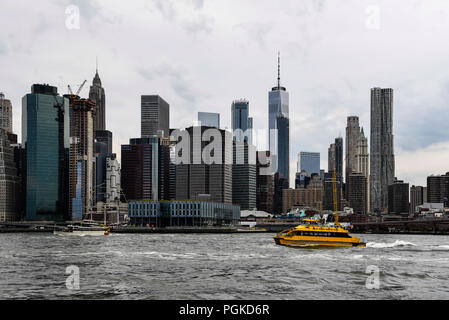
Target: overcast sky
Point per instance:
(199, 55)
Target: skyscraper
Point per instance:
(209, 119)
(339, 158)
(239, 116)
(352, 140)
(418, 196)
(438, 189)
(278, 104)
(244, 176)
(250, 130)
(331, 158)
(382, 163)
(9, 180)
(309, 162)
(155, 116)
(362, 155)
(265, 182)
(201, 175)
(5, 113)
(362, 162)
(357, 197)
(145, 169)
(82, 157)
(112, 179)
(97, 94)
(398, 197)
(283, 143)
(102, 137)
(45, 134)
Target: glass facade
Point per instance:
(240, 111)
(40, 135)
(183, 213)
(278, 104)
(309, 162)
(209, 119)
(283, 143)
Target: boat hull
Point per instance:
(81, 233)
(316, 242)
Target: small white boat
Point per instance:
(73, 230)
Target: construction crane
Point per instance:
(334, 186)
(79, 90)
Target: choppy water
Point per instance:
(234, 266)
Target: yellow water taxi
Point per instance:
(311, 233)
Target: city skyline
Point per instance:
(318, 105)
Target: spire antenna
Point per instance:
(279, 69)
(96, 64)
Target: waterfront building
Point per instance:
(382, 162)
(239, 119)
(9, 180)
(418, 196)
(145, 169)
(357, 196)
(309, 197)
(264, 182)
(398, 197)
(352, 140)
(45, 135)
(438, 189)
(97, 94)
(155, 116)
(279, 138)
(244, 182)
(183, 213)
(309, 162)
(82, 158)
(201, 172)
(209, 119)
(5, 114)
(113, 178)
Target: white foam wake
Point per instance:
(397, 243)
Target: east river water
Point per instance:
(220, 266)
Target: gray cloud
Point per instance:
(3, 49)
(201, 24)
(257, 32)
(176, 78)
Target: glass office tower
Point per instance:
(278, 105)
(240, 111)
(45, 134)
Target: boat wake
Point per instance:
(397, 243)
